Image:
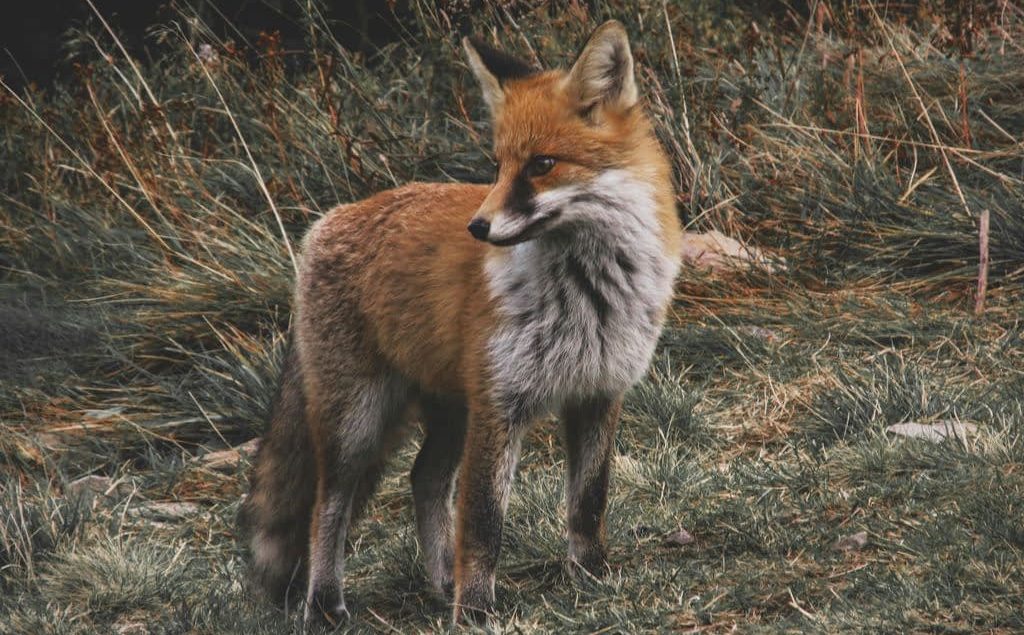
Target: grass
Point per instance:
(146, 214)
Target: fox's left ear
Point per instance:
(603, 72)
(493, 68)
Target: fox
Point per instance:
(476, 309)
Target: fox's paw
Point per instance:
(325, 605)
(442, 579)
(443, 590)
(593, 560)
(473, 607)
(472, 615)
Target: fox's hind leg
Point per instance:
(351, 430)
(433, 482)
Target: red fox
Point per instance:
(552, 303)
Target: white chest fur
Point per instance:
(582, 306)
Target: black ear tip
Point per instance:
(480, 45)
(502, 65)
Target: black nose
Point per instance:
(479, 228)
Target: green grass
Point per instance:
(144, 294)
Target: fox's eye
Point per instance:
(539, 166)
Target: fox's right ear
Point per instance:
(603, 72)
(492, 69)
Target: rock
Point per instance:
(88, 485)
(227, 460)
(103, 414)
(93, 485)
(934, 431)
(717, 252)
(853, 542)
(131, 628)
(166, 510)
(679, 538)
(759, 332)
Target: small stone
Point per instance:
(103, 414)
(229, 459)
(166, 511)
(934, 431)
(853, 542)
(90, 484)
(679, 538)
(93, 485)
(717, 252)
(131, 628)
(760, 332)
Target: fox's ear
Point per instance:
(603, 72)
(492, 69)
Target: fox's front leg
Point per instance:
(489, 462)
(590, 439)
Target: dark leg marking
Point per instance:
(433, 480)
(590, 440)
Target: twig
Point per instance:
(383, 621)
(979, 301)
(965, 121)
(207, 417)
(796, 605)
(860, 107)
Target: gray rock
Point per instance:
(88, 485)
(853, 542)
(227, 460)
(166, 510)
(679, 538)
(934, 431)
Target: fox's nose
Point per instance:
(479, 228)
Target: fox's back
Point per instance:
(402, 269)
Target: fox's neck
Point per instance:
(581, 307)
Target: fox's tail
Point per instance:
(275, 517)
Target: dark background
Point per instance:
(33, 32)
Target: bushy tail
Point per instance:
(275, 518)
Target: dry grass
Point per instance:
(146, 215)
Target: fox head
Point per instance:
(563, 139)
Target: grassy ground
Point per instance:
(145, 283)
